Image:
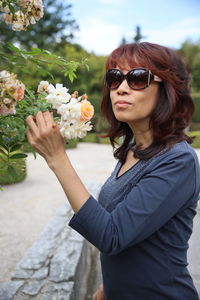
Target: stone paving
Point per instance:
(40, 273)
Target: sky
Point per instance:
(103, 23)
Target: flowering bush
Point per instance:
(76, 112)
(11, 91)
(73, 114)
(29, 12)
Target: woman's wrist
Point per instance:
(56, 162)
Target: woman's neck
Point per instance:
(143, 135)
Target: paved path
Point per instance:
(26, 208)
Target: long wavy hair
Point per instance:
(174, 109)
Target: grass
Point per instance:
(196, 143)
(93, 137)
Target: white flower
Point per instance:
(4, 9)
(7, 101)
(57, 95)
(30, 12)
(5, 76)
(77, 130)
(19, 20)
(71, 111)
(43, 87)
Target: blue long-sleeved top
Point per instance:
(142, 224)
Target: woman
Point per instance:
(144, 216)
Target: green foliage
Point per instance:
(90, 74)
(13, 172)
(12, 163)
(196, 99)
(23, 61)
(13, 127)
(191, 52)
(12, 130)
(56, 25)
(31, 104)
(71, 144)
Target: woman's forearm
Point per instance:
(73, 187)
(45, 137)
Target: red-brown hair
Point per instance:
(174, 109)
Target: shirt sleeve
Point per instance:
(156, 198)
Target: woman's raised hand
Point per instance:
(44, 135)
(99, 294)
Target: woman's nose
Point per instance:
(123, 87)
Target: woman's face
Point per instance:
(134, 106)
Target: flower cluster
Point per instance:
(11, 91)
(29, 12)
(76, 112)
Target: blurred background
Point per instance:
(91, 29)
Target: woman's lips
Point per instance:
(122, 104)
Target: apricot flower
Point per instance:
(87, 111)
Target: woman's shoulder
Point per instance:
(182, 149)
(179, 153)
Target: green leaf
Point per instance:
(4, 150)
(18, 156)
(12, 47)
(15, 147)
(34, 51)
(11, 8)
(3, 157)
(34, 154)
(71, 77)
(12, 171)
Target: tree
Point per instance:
(138, 36)
(57, 25)
(191, 52)
(123, 41)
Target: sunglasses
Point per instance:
(137, 78)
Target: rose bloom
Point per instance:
(87, 111)
(15, 89)
(43, 87)
(19, 92)
(8, 109)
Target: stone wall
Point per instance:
(59, 264)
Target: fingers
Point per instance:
(29, 136)
(40, 121)
(32, 125)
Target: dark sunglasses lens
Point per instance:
(114, 78)
(138, 79)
